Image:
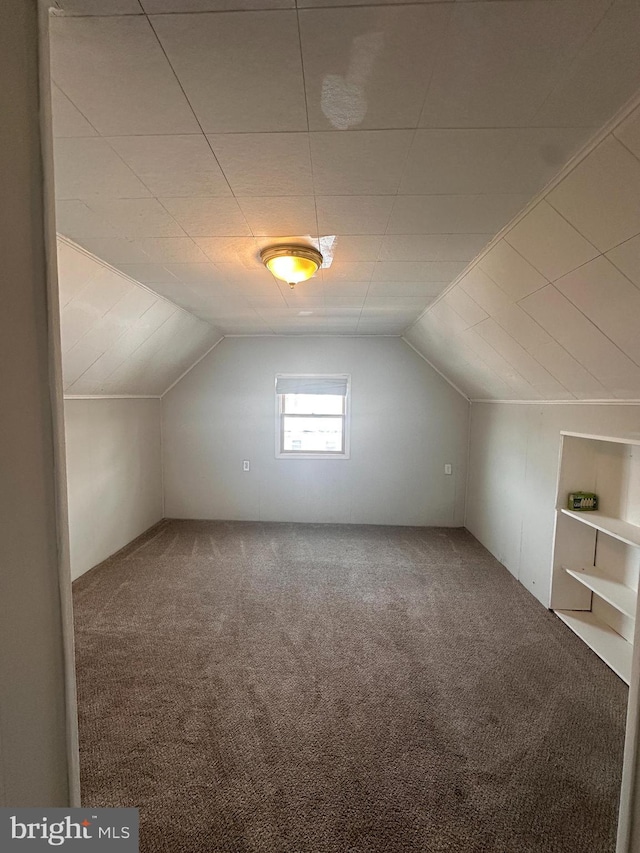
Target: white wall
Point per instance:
(114, 475)
(406, 422)
(513, 467)
(38, 751)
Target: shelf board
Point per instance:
(622, 530)
(614, 650)
(623, 598)
(629, 438)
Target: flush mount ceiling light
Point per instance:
(291, 263)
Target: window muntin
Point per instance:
(312, 418)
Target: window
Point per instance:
(312, 416)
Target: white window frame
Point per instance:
(317, 454)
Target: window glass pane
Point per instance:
(313, 435)
(313, 404)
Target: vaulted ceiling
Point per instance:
(551, 311)
(118, 337)
(398, 138)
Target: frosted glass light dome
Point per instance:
(292, 264)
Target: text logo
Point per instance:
(69, 829)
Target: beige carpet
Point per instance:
(288, 688)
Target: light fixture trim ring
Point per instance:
(310, 253)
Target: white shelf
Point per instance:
(622, 530)
(614, 650)
(629, 438)
(623, 598)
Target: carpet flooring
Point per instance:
(298, 688)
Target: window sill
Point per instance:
(296, 455)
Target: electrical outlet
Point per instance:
(245, 465)
(448, 468)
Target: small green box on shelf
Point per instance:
(583, 501)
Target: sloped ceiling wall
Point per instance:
(552, 310)
(119, 338)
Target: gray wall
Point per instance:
(513, 467)
(406, 422)
(114, 475)
(37, 748)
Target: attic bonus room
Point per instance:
(321, 454)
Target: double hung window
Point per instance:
(313, 415)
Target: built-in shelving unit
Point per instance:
(596, 555)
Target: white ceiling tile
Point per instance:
(345, 288)
(147, 273)
(487, 160)
(177, 165)
(432, 247)
(453, 214)
(368, 162)
(172, 250)
(67, 119)
(604, 75)
(234, 273)
(230, 250)
(447, 319)
(115, 250)
(417, 270)
(511, 271)
(315, 287)
(629, 131)
(369, 67)
(354, 249)
(100, 336)
(498, 364)
(457, 161)
(75, 220)
(335, 311)
(240, 72)
(116, 74)
(176, 292)
(584, 341)
(345, 215)
(609, 300)
(170, 289)
(522, 361)
(191, 274)
(100, 7)
(136, 302)
(601, 196)
(104, 291)
(626, 257)
(398, 304)
(549, 242)
(76, 361)
(88, 167)
(265, 164)
(89, 305)
(501, 78)
(75, 320)
(484, 291)
(407, 288)
(522, 327)
(136, 217)
(466, 307)
(538, 156)
(208, 217)
(75, 271)
(277, 215)
(348, 271)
